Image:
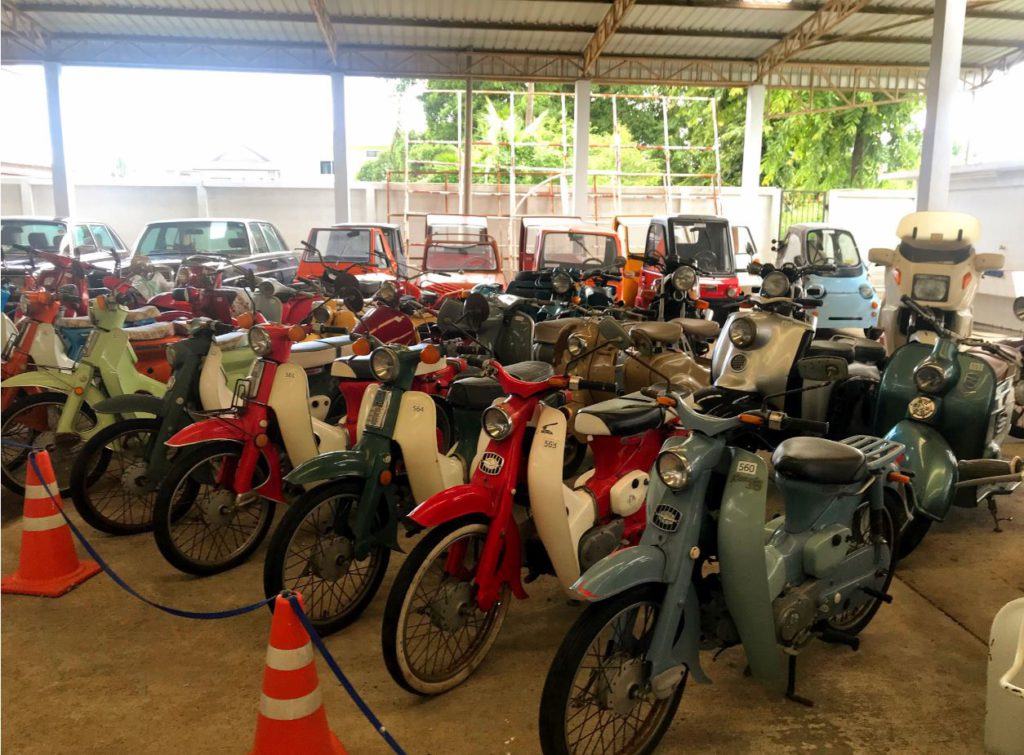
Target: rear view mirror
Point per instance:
(619, 262)
(823, 369)
(988, 261)
(1018, 307)
(613, 332)
(476, 311)
(879, 256)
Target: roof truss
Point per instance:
(824, 20)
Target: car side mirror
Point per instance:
(1018, 307)
(878, 256)
(823, 369)
(613, 332)
(988, 261)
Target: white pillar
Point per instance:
(752, 136)
(943, 80)
(467, 151)
(581, 149)
(61, 188)
(341, 200)
(202, 201)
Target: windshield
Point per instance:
(633, 232)
(936, 252)
(341, 245)
(450, 256)
(829, 246)
(43, 235)
(195, 237)
(705, 244)
(458, 229)
(572, 249)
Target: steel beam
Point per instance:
(21, 28)
(824, 20)
(323, 23)
(605, 31)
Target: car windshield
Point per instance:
(829, 246)
(576, 249)
(341, 245)
(43, 235)
(704, 243)
(461, 253)
(195, 237)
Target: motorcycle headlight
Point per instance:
(384, 364)
(170, 352)
(576, 345)
(561, 283)
(388, 293)
(673, 469)
(931, 378)
(922, 408)
(775, 285)
(866, 291)
(259, 341)
(497, 424)
(742, 332)
(684, 278)
(930, 287)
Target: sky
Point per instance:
(158, 121)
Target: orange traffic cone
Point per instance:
(292, 720)
(47, 564)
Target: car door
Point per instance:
(654, 253)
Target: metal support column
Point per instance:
(752, 137)
(581, 148)
(341, 198)
(943, 79)
(467, 151)
(61, 187)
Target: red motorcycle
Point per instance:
(450, 597)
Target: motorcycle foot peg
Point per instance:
(877, 595)
(835, 637)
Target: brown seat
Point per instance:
(151, 332)
(548, 331)
(1001, 367)
(693, 326)
(659, 332)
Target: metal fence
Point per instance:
(802, 206)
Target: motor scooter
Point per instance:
(950, 404)
(936, 265)
(61, 416)
(453, 590)
(709, 573)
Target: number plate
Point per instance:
(379, 409)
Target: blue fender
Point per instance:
(132, 403)
(330, 466)
(933, 463)
(620, 571)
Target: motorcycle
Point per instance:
(557, 289)
(199, 292)
(950, 404)
(676, 300)
(709, 573)
(935, 264)
(60, 417)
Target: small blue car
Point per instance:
(850, 300)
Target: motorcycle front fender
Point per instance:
(933, 464)
(455, 502)
(208, 431)
(62, 382)
(622, 570)
(330, 466)
(130, 404)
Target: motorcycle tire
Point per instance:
(91, 465)
(275, 580)
(401, 659)
(558, 694)
(912, 535)
(170, 515)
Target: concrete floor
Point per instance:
(99, 672)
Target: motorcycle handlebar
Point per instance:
(804, 425)
(333, 329)
(597, 385)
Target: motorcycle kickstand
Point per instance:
(791, 686)
(993, 509)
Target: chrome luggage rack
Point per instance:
(879, 452)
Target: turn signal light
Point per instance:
(701, 304)
(245, 321)
(897, 477)
(296, 333)
(558, 381)
(967, 280)
(751, 419)
(666, 401)
(430, 355)
(361, 348)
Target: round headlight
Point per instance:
(866, 291)
(684, 278)
(673, 469)
(497, 424)
(259, 341)
(170, 352)
(930, 378)
(388, 293)
(922, 408)
(576, 345)
(742, 332)
(775, 285)
(561, 283)
(384, 364)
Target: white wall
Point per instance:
(870, 214)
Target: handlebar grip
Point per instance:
(597, 385)
(333, 329)
(808, 302)
(804, 425)
(974, 469)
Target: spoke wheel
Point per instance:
(200, 525)
(597, 697)
(109, 483)
(434, 634)
(32, 421)
(312, 552)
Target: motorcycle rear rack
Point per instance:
(879, 452)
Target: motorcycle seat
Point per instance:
(548, 331)
(618, 417)
(474, 393)
(1001, 367)
(825, 348)
(148, 312)
(695, 326)
(819, 460)
(530, 372)
(864, 349)
(311, 354)
(659, 332)
(78, 321)
(151, 332)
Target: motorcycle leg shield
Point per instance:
(930, 459)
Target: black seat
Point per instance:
(474, 392)
(619, 417)
(823, 348)
(819, 460)
(530, 372)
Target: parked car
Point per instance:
(372, 252)
(849, 298)
(745, 252)
(460, 253)
(250, 244)
(529, 229)
(95, 242)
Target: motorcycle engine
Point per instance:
(599, 541)
(795, 612)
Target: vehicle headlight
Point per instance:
(922, 408)
(742, 332)
(170, 352)
(576, 345)
(931, 378)
(866, 291)
(561, 283)
(684, 278)
(259, 341)
(930, 287)
(673, 469)
(496, 422)
(384, 364)
(388, 294)
(775, 285)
